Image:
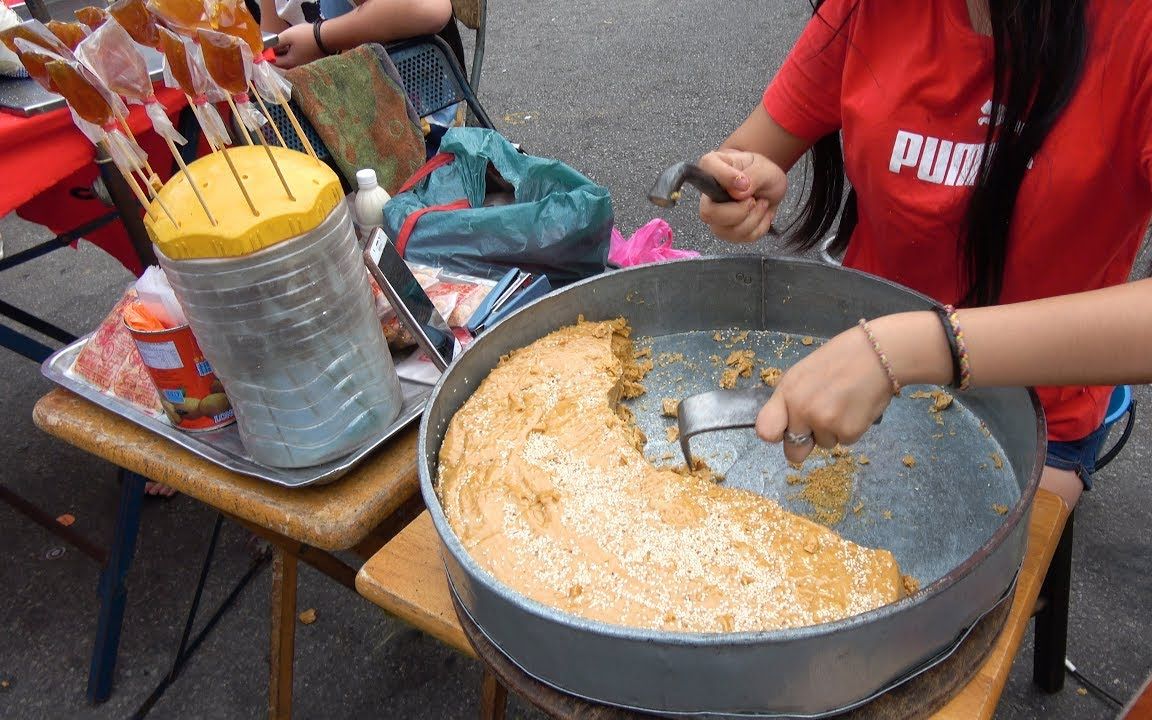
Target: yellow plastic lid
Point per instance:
(238, 231)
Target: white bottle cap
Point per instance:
(366, 179)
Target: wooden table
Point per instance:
(358, 512)
(406, 578)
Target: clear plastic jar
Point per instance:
(292, 333)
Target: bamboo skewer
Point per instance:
(283, 102)
(147, 166)
(276, 165)
(136, 188)
(188, 176)
(267, 115)
(239, 121)
(239, 182)
(132, 184)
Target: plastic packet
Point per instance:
(650, 244)
(232, 18)
(110, 52)
(189, 75)
(100, 109)
(92, 16)
(138, 317)
(157, 297)
(228, 61)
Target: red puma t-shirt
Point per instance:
(908, 82)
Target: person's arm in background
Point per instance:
(1103, 337)
(751, 165)
(270, 22)
(379, 21)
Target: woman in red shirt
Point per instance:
(996, 153)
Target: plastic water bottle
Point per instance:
(368, 205)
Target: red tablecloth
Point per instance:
(47, 166)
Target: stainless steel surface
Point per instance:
(718, 410)
(222, 446)
(942, 527)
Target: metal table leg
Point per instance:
(112, 591)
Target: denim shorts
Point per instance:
(1078, 456)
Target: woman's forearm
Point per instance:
(1103, 337)
(763, 135)
(384, 21)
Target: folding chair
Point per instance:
(473, 14)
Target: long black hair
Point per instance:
(1039, 47)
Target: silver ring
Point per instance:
(795, 439)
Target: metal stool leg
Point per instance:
(113, 592)
(1051, 643)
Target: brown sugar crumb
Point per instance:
(887, 514)
(665, 359)
(807, 340)
(839, 451)
(859, 508)
(997, 460)
(863, 459)
(909, 461)
(1000, 509)
(771, 376)
(644, 352)
(827, 489)
(740, 364)
(699, 470)
(670, 407)
(672, 432)
(911, 584)
(941, 400)
(1081, 692)
(716, 359)
(937, 436)
(740, 337)
(575, 591)
(984, 429)
(717, 336)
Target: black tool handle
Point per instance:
(666, 191)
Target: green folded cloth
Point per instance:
(357, 105)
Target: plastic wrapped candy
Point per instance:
(69, 33)
(91, 16)
(98, 108)
(137, 20)
(190, 77)
(229, 62)
(110, 53)
(183, 16)
(35, 33)
(232, 17)
(35, 59)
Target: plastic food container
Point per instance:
(287, 324)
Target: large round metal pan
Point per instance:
(937, 516)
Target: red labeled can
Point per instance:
(192, 397)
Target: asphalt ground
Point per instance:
(619, 89)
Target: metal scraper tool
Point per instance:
(720, 410)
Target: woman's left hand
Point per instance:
(297, 46)
(831, 396)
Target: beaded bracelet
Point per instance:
(880, 354)
(961, 348)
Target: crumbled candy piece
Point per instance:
(308, 616)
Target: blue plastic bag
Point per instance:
(559, 224)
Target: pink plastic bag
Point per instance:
(650, 244)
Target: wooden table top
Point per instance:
(406, 578)
(336, 516)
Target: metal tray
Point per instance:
(223, 446)
(936, 517)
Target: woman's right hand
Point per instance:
(757, 186)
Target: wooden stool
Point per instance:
(406, 577)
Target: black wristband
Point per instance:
(319, 42)
(953, 346)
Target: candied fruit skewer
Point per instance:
(93, 107)
(111, 53)
(91, 16)
(228, 60)
(69, 33)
